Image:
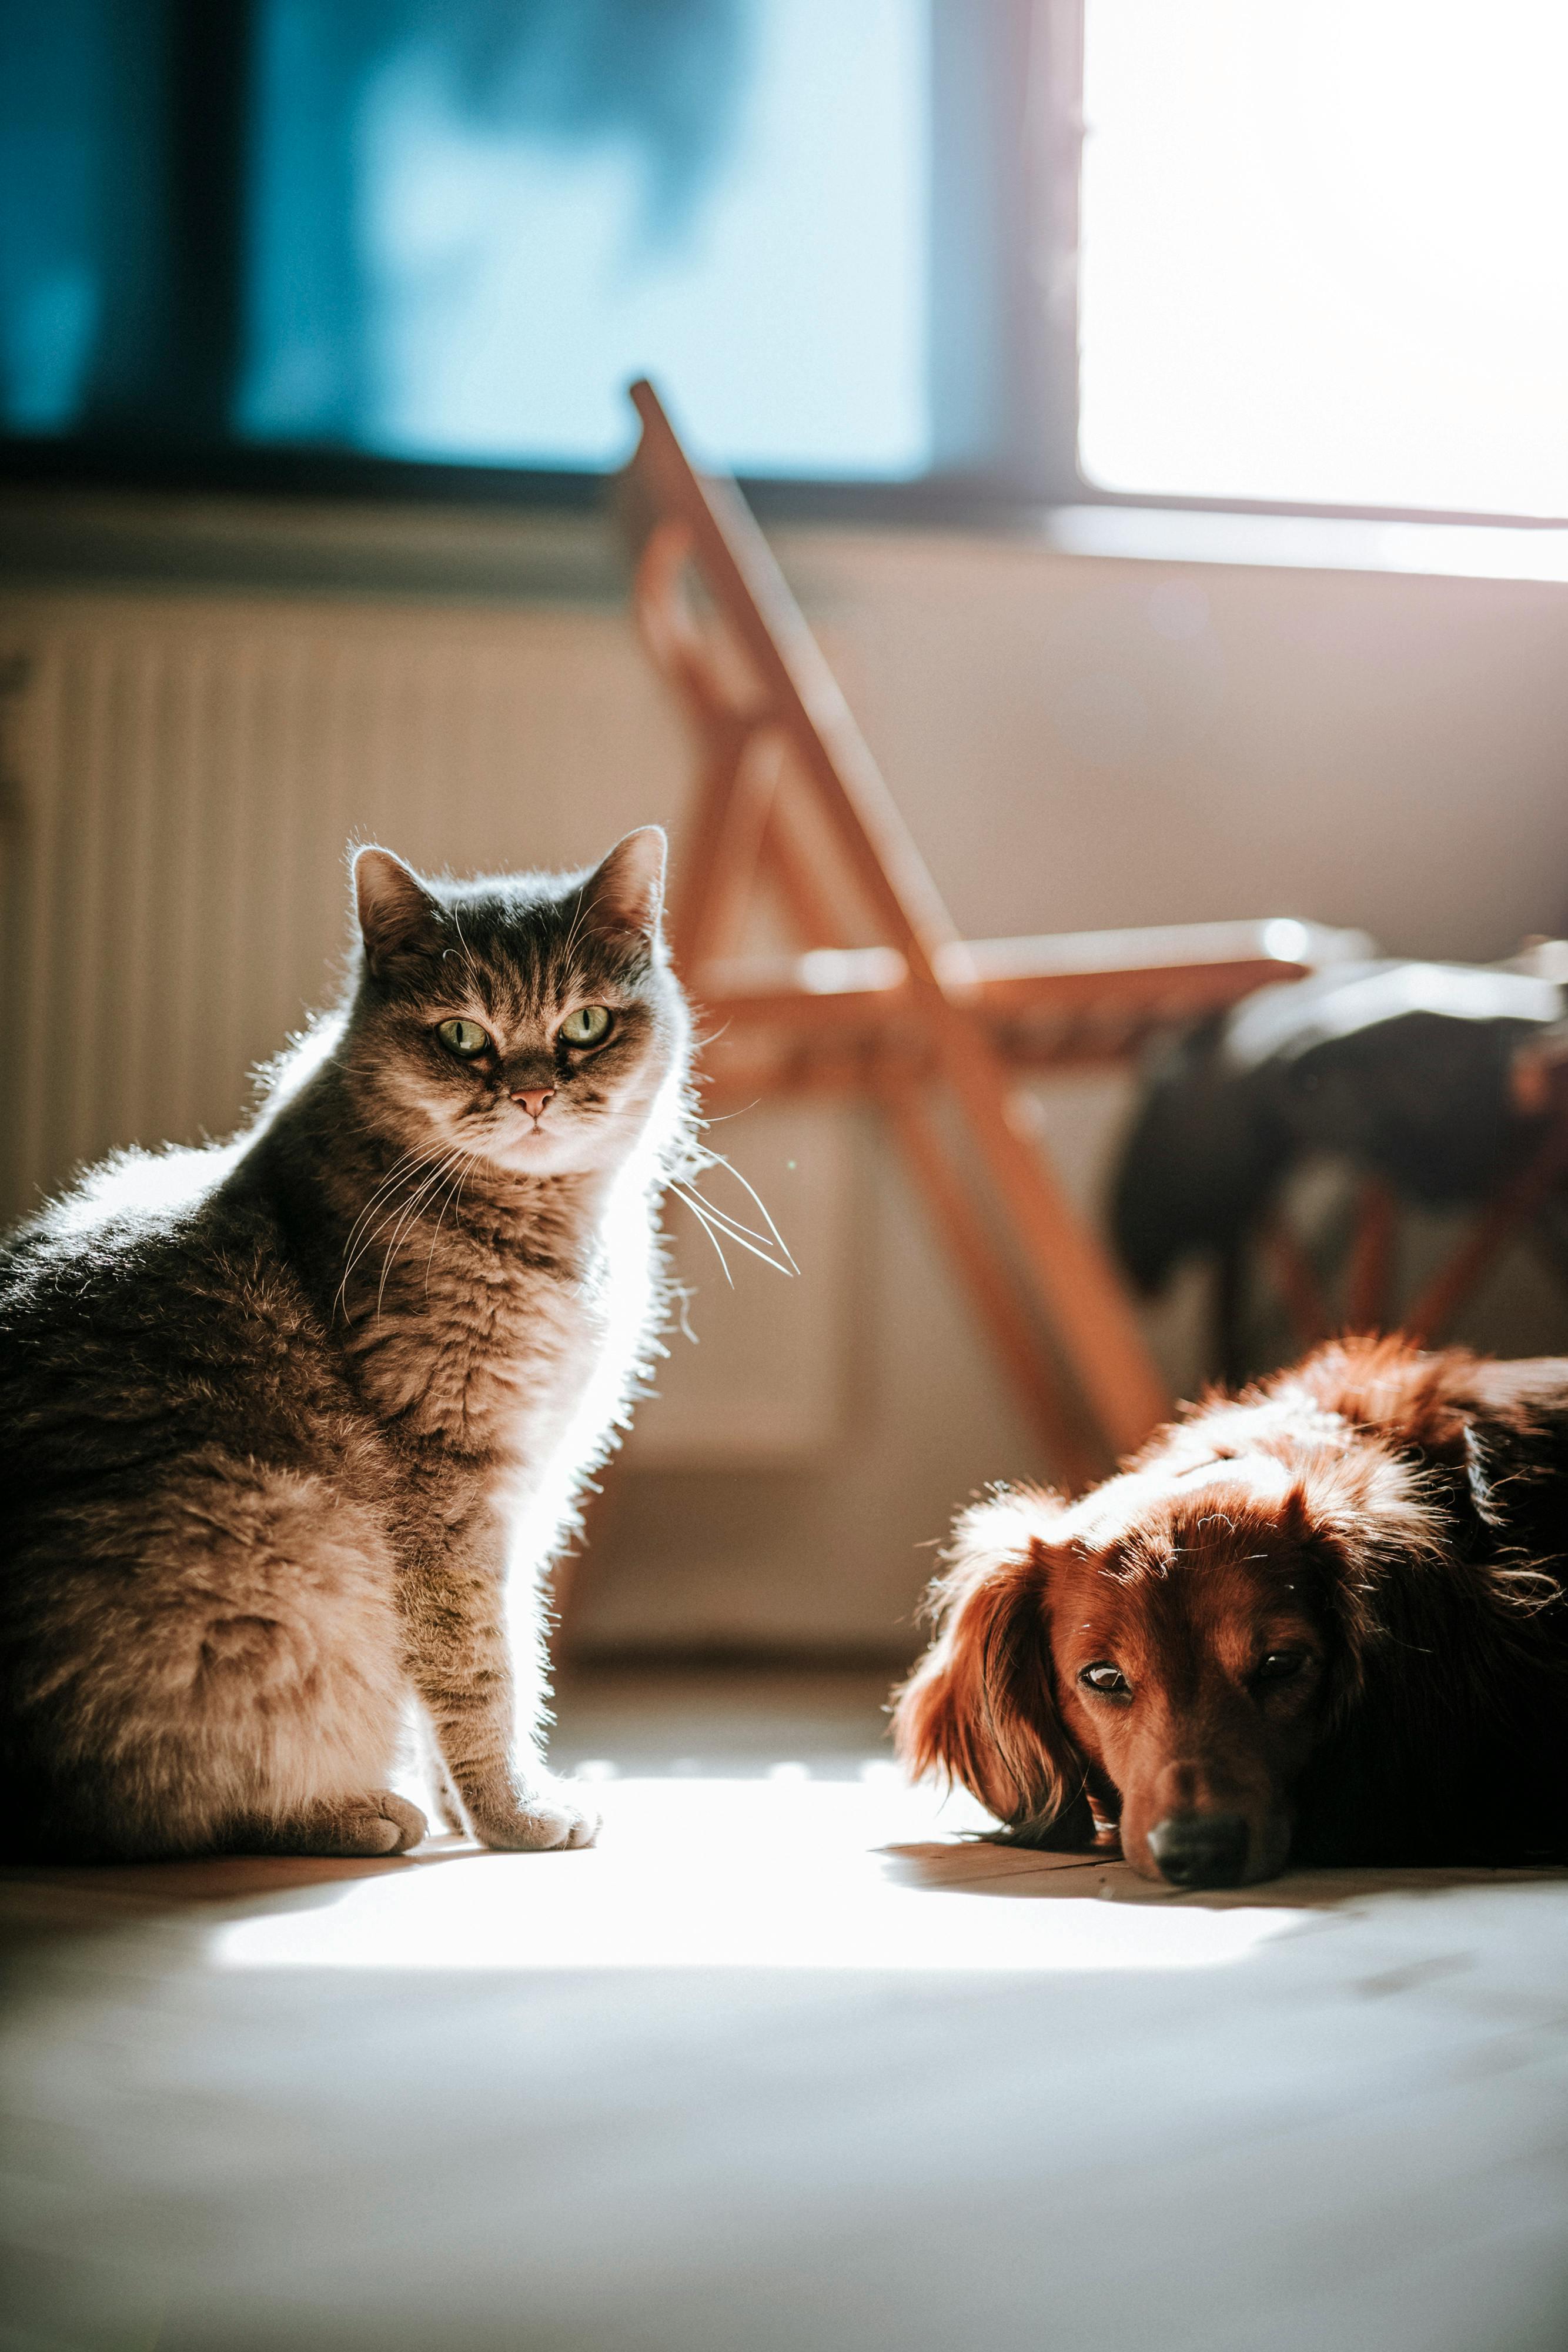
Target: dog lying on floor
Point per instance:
(1324, 1621)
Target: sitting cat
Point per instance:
(290, 1426)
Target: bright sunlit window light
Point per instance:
(1323, 253)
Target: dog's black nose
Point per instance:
(1200, 1849)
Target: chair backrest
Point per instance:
(682, 520)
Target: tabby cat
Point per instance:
(290, 1426)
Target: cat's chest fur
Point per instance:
(493, 1330)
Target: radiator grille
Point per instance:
(184, 778)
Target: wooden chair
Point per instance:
(884, 1001)
(1366, 1292)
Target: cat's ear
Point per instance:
(627, 892)
(398, 916)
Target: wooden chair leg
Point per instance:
(991, 1284)
(794, 869)
(724, 846)
(1083, 1301)
(1226, 1300)
(1367, 1281)
(1516, 1206)
(1296, 1282)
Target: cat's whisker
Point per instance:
(722, 1118)
(386, 1198)
(453, 1195)
(576, 928)
(440, 1173)
(403, 1172)
(708, 1229)
(469, 966)
(750, 1247)
(719, 1161)
(745, 1234)
(402, 1166)
(585, 906)
(714, 1222)
(405, 1224)
(426, 1170)
(367, 1231)
(426, 1192)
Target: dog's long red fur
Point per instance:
(1323, 1621)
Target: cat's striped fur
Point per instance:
(290, 1427)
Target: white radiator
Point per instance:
(182, 778)
(186, 777)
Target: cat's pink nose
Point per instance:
(534, 1098)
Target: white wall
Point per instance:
(1075, 743)
(1376, 748)
(1078, 743)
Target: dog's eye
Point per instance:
(1280, 1665)
(1109, 1681)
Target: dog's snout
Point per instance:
(1200, 1849)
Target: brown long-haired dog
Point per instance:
(1322, 1621)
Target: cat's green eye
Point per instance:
(587, 1025)
(464, 1038)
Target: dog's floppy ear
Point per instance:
(1364, 1518)
(980, 1708)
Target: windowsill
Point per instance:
(184, 543)
(194, 542)
(1309, 543)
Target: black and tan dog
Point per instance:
(1324, 1621)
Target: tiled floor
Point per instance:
(786, 2062)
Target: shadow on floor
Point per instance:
(977, 1866)
(87, 1897)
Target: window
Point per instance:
(447, 232)
(545, 202)
(1323, 255)
(909, 251)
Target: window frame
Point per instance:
(1060, 33)
(982, 79)
(1008, 72)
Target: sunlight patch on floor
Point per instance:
(783, 1873)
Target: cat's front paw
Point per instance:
(545, 1821)
(367, 1828)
